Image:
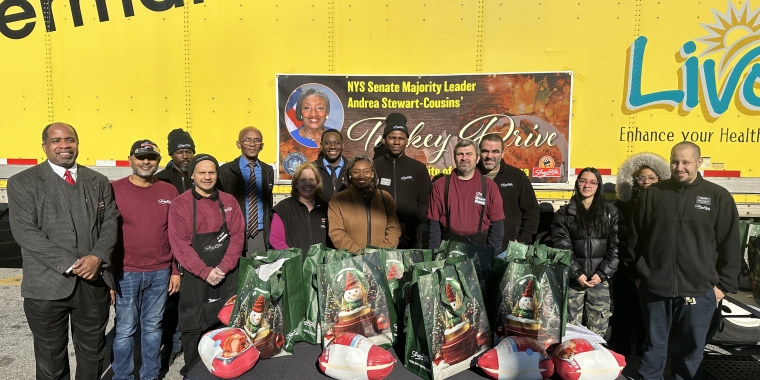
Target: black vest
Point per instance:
(303, 228)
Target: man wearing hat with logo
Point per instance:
(182, 149)
(206, 233)
(143, 262)
(405, 179)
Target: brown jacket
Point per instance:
(349, 220)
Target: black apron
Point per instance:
(478, 238)
(199, 302)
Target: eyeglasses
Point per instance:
(650, 179)
(251, 142)
(590, 183)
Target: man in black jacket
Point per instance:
(521, 211)
(685, 254)
(330, 164)
(250, 181)
(406, 179)
(182, 149)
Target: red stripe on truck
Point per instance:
(122, 163)
(722, 173)
(22, 161)
(601, 171)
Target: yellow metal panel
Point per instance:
(589, 38)
(409, 37)
(212, 66)
(23, 75)
(236, 50)
(118, 81)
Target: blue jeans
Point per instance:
(140, 298)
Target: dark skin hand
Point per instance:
(87, 267)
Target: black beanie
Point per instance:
(395, 122)
(179, 139)
(202, 157)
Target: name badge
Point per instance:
(385, 181)
(479, 199)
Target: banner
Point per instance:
(530, 111)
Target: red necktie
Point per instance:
(67, 176)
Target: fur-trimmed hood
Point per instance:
(625, 181)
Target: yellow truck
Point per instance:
(646, 74)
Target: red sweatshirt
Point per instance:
(208, 219)
(143, 244)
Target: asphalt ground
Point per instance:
(17, 354)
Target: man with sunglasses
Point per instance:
(250, 181)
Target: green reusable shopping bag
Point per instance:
(448, 326)
(316, 257)
(282, 272)
(482, 257)
(259, 258)
(259, 313)
(397, 267)
(532, 294)
(354, 298)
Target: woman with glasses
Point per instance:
(635, 174)
(587, 226)
(363, 215)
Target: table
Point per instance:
(303, 365)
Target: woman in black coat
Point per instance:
(587, 225)
(627, 324)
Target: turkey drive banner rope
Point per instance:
(530, 111)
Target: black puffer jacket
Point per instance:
(594, 253)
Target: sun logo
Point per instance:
(734, 30)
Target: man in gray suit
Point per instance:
(64, 218)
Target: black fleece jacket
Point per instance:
(684, 239)
(408, 182)
(173, 175)
(521, 211)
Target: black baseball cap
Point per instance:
(142, 148)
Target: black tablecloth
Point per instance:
(303, 365)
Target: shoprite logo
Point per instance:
(735, 35)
